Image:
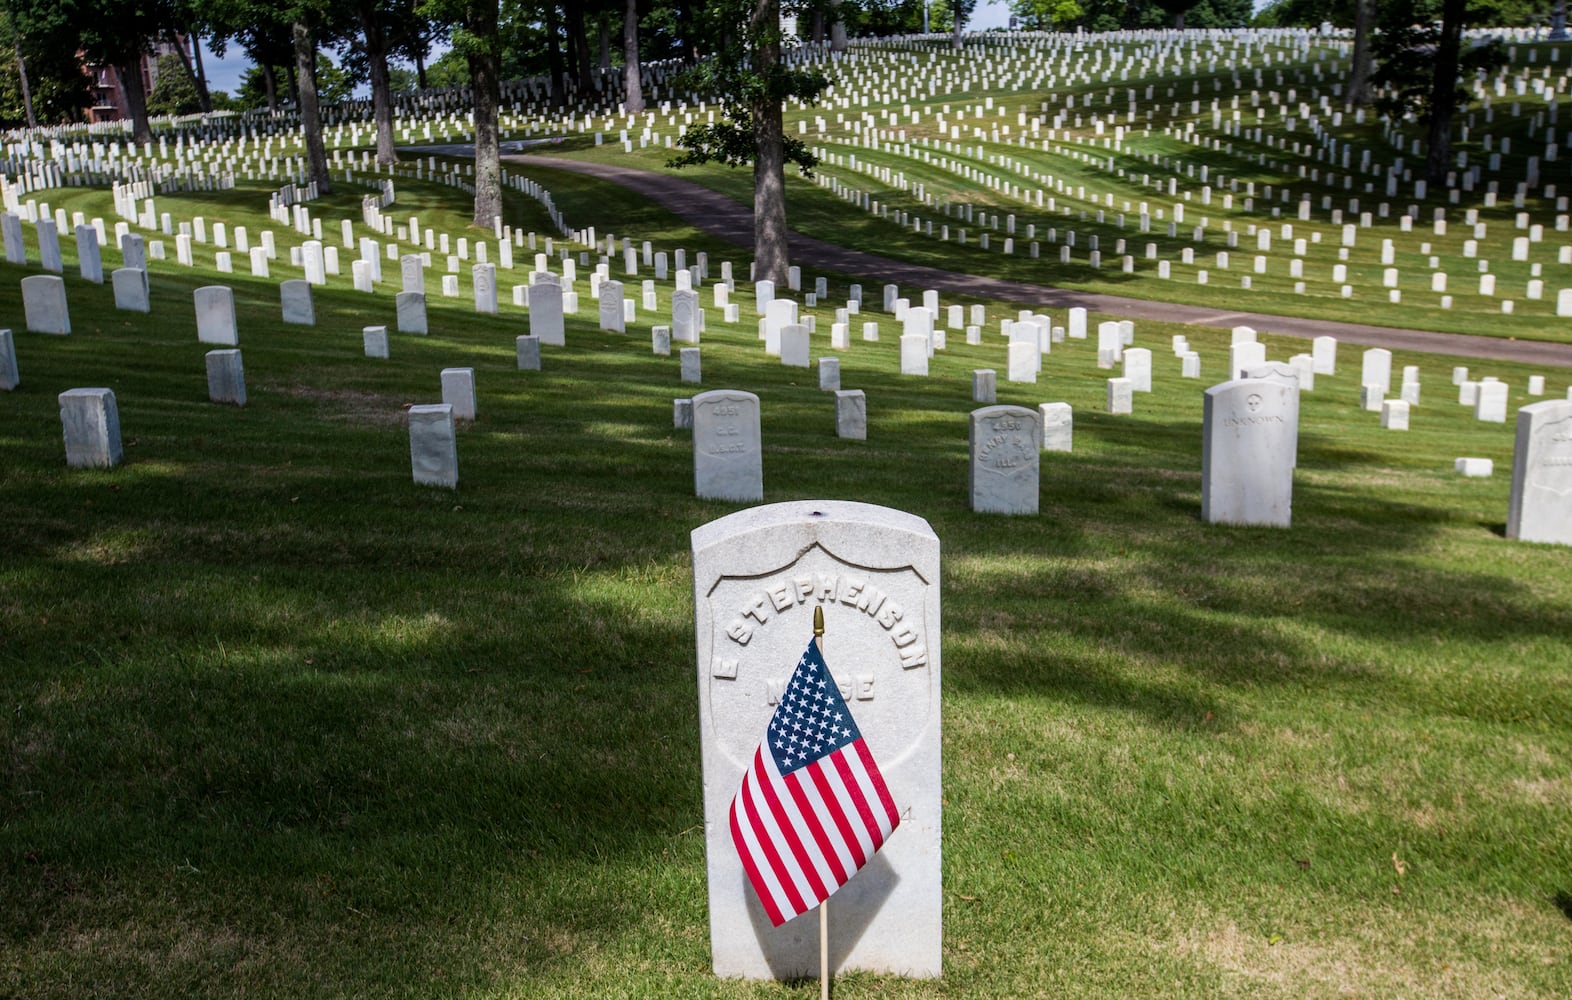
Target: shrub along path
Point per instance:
(720, 216)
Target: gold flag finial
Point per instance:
(818, 620)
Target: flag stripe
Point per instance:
(760, 884)
(859, 800)
(791, 836)
(832, 804)
(877, 780)
(788, 886)
(808, 808)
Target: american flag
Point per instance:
(813, 807)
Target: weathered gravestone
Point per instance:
(1058, 426)
(226, 377)
(527, 348)
(757, 576)
(851, 414)
(545, 311)
(130, 287)
(9, 377)
(44, 304)
(91, 423)
(15, 248)
(483, 278)
(89, 262)
(1541, 503)
(1248, 440)
(690, 365)
(728, 462)
(685, 317)
(375, 341)
(612, 316)
(295, 299)
(829, 374)
(411, 310)
(795, 346)
(433, 447)
(1005, 441)
(458, 391)
(1285, 374)
(133, 251)
(985, 385)
(215, 315)
(412, 273)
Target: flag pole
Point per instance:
(824, 907)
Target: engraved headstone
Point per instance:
(433, 446)
(685, 316)
(484, 279)
(1491, 403)
(688, 359)
(215, 315)
(1058, 426)
(412, 273)
(130, 287)
(458, 391)
(528, 350)
(89, 261)
(1248, 441)
(90, 421)
(226, 377)
(10, 378)
(295, 298)
(829, 374)
(1005, 441)
(411, 309)
(44, 304)
(1540, 508)
(1377, 369)
(914, 355)
(49, 246)
(15, 248)
(611, 310)
(133, 251)
(795, 346)
(728, 461)
(757, 576)
(851, 414)
(375, 341)
(985, 386)
(545, 311)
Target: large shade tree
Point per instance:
(753, 83)
(477, 39)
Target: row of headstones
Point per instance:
(1250, 430)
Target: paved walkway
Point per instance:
(720, 216)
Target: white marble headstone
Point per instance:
(728, 460)
(1005, 442)
(757, 576)
(1541, 502)
(1248, 441)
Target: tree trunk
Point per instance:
(1357, 89)
(132, 86)
(270, 87)
(603, 31)
(203, 94)
(579, 41)
(837, 28)
(816, 26)
(27, 93)
(485, 81)
(554, 56)
(310, 115)
(632, 86)
(1443, 91)
(192, 70)
(375, 34)
(770, 255)
(958, 25)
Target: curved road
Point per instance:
(720, 216)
